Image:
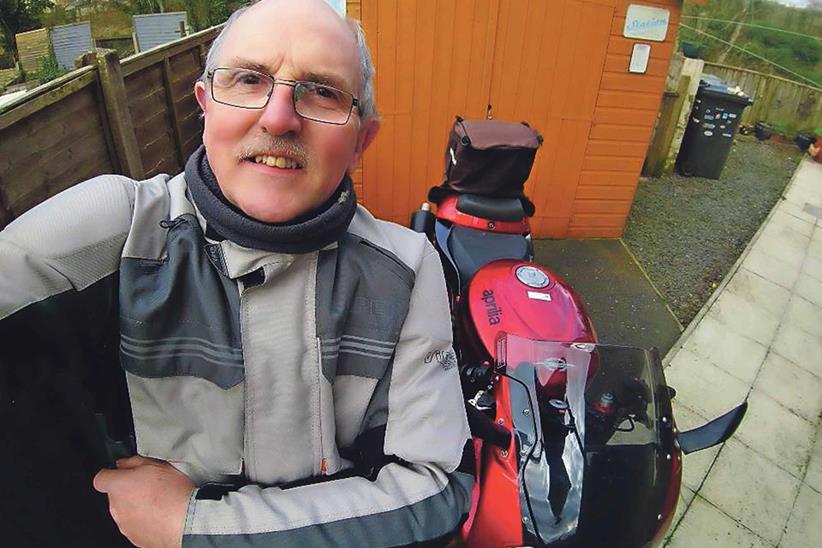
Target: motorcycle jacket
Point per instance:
(313, 398)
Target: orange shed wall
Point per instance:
(624, 118)
(559, 64)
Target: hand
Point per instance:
(148, 500)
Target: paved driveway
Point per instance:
(760, 338)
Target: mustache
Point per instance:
(277, 146)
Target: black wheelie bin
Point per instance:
(711, 128)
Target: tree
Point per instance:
(207, 13)
(737, 31)
(20, 16)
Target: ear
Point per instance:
(201, 94)
(365, 135)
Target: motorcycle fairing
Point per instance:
(622, 492)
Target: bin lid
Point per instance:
(715, 86)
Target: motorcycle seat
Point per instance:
(494, 209)
(471, 249)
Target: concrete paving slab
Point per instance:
(686, 497)
(804, 526)
(705, 525)
(702, 386)
(737, 354)
(790, 385)
(757, 290)
(622, 302)
(744, 318)
(809, 289)
(807, 179)
(813, 268)
(777, 433)
(766, 266)
(815, 248)
(787, 226)
(796, 210)
(750, 489)
(784, 250)
(805, 183)
(788, 235)
(801, 195)
(800, 347)
(813, 475)
(695, 466)
(804, 315)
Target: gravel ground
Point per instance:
(688, 232)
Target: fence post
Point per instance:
(693, 69)
(119, 117)
(660, 148)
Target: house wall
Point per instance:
(560, 65)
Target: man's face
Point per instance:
(294, 41)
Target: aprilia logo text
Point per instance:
(491, 309)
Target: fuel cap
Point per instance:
(532, 277)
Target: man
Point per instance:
(288, 357)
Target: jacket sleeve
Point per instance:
(412, 484)
(58, 352)
(68, 242)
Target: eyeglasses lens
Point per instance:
(250, 89)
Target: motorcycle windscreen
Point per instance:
(550, 436)
(570, 448)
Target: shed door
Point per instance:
(548, 64)
(528, 59)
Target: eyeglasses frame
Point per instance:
(355, 102)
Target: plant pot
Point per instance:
(804, 140)
(763, 131)
(690, 50)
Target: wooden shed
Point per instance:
(561, 65)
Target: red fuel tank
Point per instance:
(528, 300)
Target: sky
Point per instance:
(794, 3)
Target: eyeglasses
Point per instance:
(246, 88)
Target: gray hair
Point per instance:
(367, 104)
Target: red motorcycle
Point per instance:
(576, 442)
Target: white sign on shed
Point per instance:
(70, 42)
(646, 23)
(156, 29)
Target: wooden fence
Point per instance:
(138, 118)
(786, 104)
(32, 47)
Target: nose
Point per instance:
(279, 117)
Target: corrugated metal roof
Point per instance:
(153, 30)
(71, 41)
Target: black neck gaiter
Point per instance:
(307, 233)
